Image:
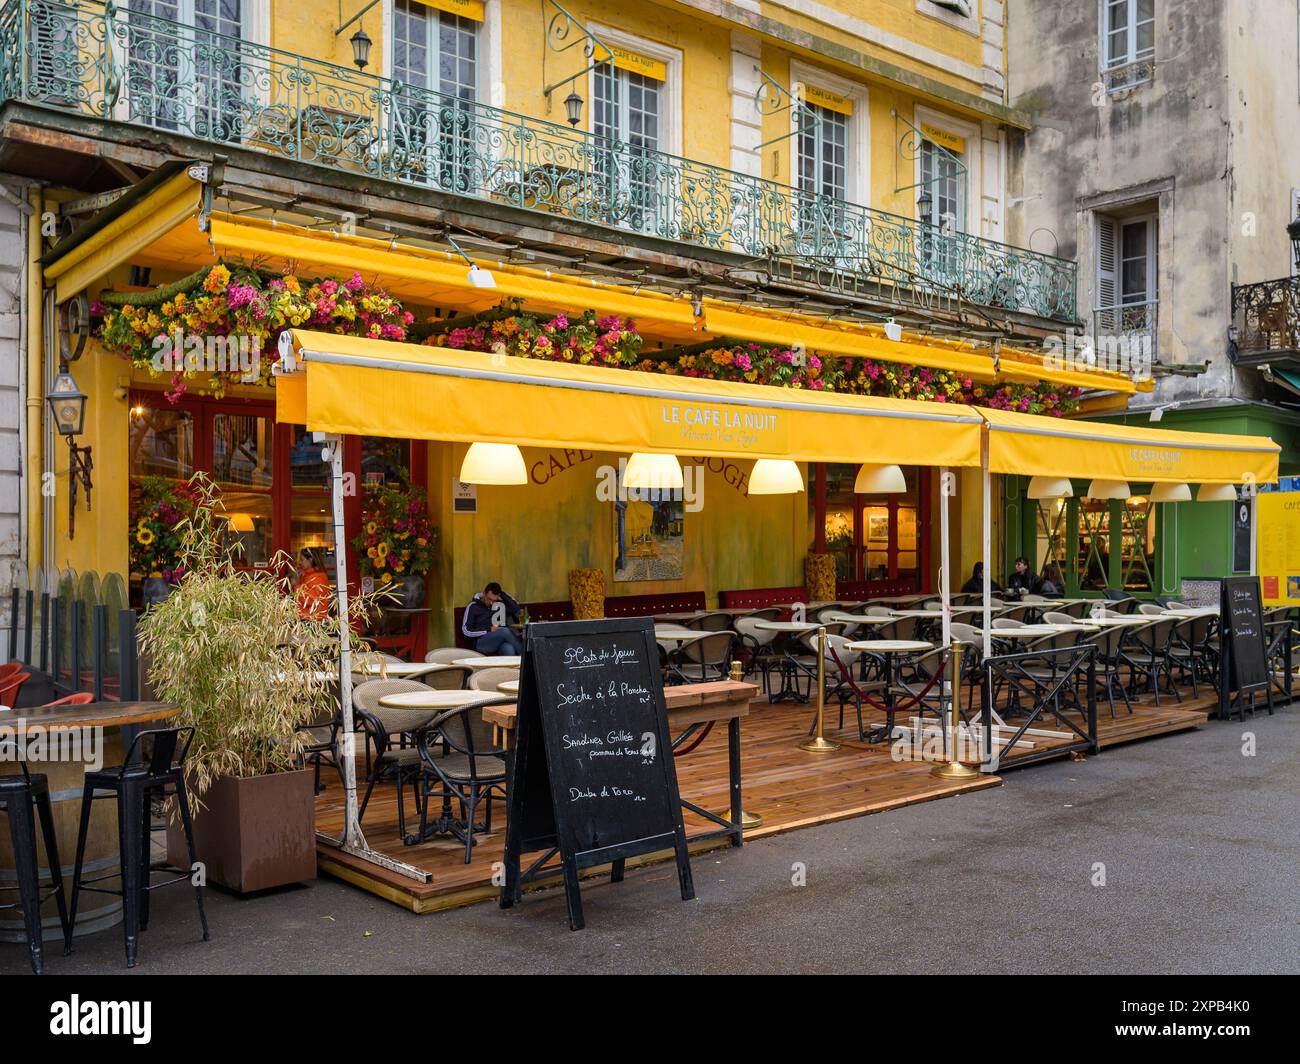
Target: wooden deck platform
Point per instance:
(788, 787)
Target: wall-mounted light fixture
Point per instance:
(68, 408)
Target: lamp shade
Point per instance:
(1108, 489)
(241, 522)
(1050, 488)
(656, 472)
(775, 476)
(493, 463)
(1216, 493)
(880, 480)
(1171, 493)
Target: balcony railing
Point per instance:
(1125, 336)
(102, 60)
(1267, 316)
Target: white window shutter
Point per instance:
(1107, 256)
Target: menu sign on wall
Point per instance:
(592, 774)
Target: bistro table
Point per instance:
(508, 687)
(77, 737)
(887, 649)
(408, 670)
(490, 661)
(789, 666)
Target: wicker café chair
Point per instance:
(758, 648)
(447, 655)
(460, 761)
(454, 678)
(706, 658)
(391, 762)
(486, 680)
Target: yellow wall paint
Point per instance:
(897, 17)
(529, 537)
(100, 540)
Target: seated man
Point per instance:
(485, 622)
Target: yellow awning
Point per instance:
(1029, 445)
(374, 387)
(117, 242)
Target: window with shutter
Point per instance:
(1107, 274)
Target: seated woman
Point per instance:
(314, 589)
(975, 585)
(1053, 583)
(486, 622)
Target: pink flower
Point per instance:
(356, 284)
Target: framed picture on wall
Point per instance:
(648, 538)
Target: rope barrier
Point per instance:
(902, 707)
(704, 734)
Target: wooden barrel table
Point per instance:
(71, 740)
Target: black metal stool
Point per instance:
(133, 786)
(24, 797)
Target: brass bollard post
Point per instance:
(747, 819)
(819, 744)
(954, 770)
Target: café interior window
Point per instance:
(872, 537)
(1117, 544)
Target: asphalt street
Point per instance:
(1175, 855)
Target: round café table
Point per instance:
(406, 670)
(77, 738)
(888, 649)
(786, 631)
(490, 661)
(508, 687)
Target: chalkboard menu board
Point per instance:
(592, 774)
(1241, 637)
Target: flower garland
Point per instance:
(225, 319)
(397, 537)
(158, 506)
(585, 339)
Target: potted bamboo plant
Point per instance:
(232, 648)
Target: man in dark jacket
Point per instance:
(486, 621)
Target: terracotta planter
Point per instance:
(253, 833)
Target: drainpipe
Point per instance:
(34, 529)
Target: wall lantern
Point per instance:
(1293, 231)
(361, 48)
(573, 106)
(923, 203)
(68, 408)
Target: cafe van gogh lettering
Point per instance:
(1155, 459)
(702, 424)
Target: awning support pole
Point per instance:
(353, 840)
(987, 545)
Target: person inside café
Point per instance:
(1023, 581)
(1053, 583)
(487, 619)
(975, 585)
(314, 590)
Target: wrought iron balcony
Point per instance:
(1125, 336)
(102, 60)
(1266, 320)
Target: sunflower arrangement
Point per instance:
(160, 509)
(397, 537)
